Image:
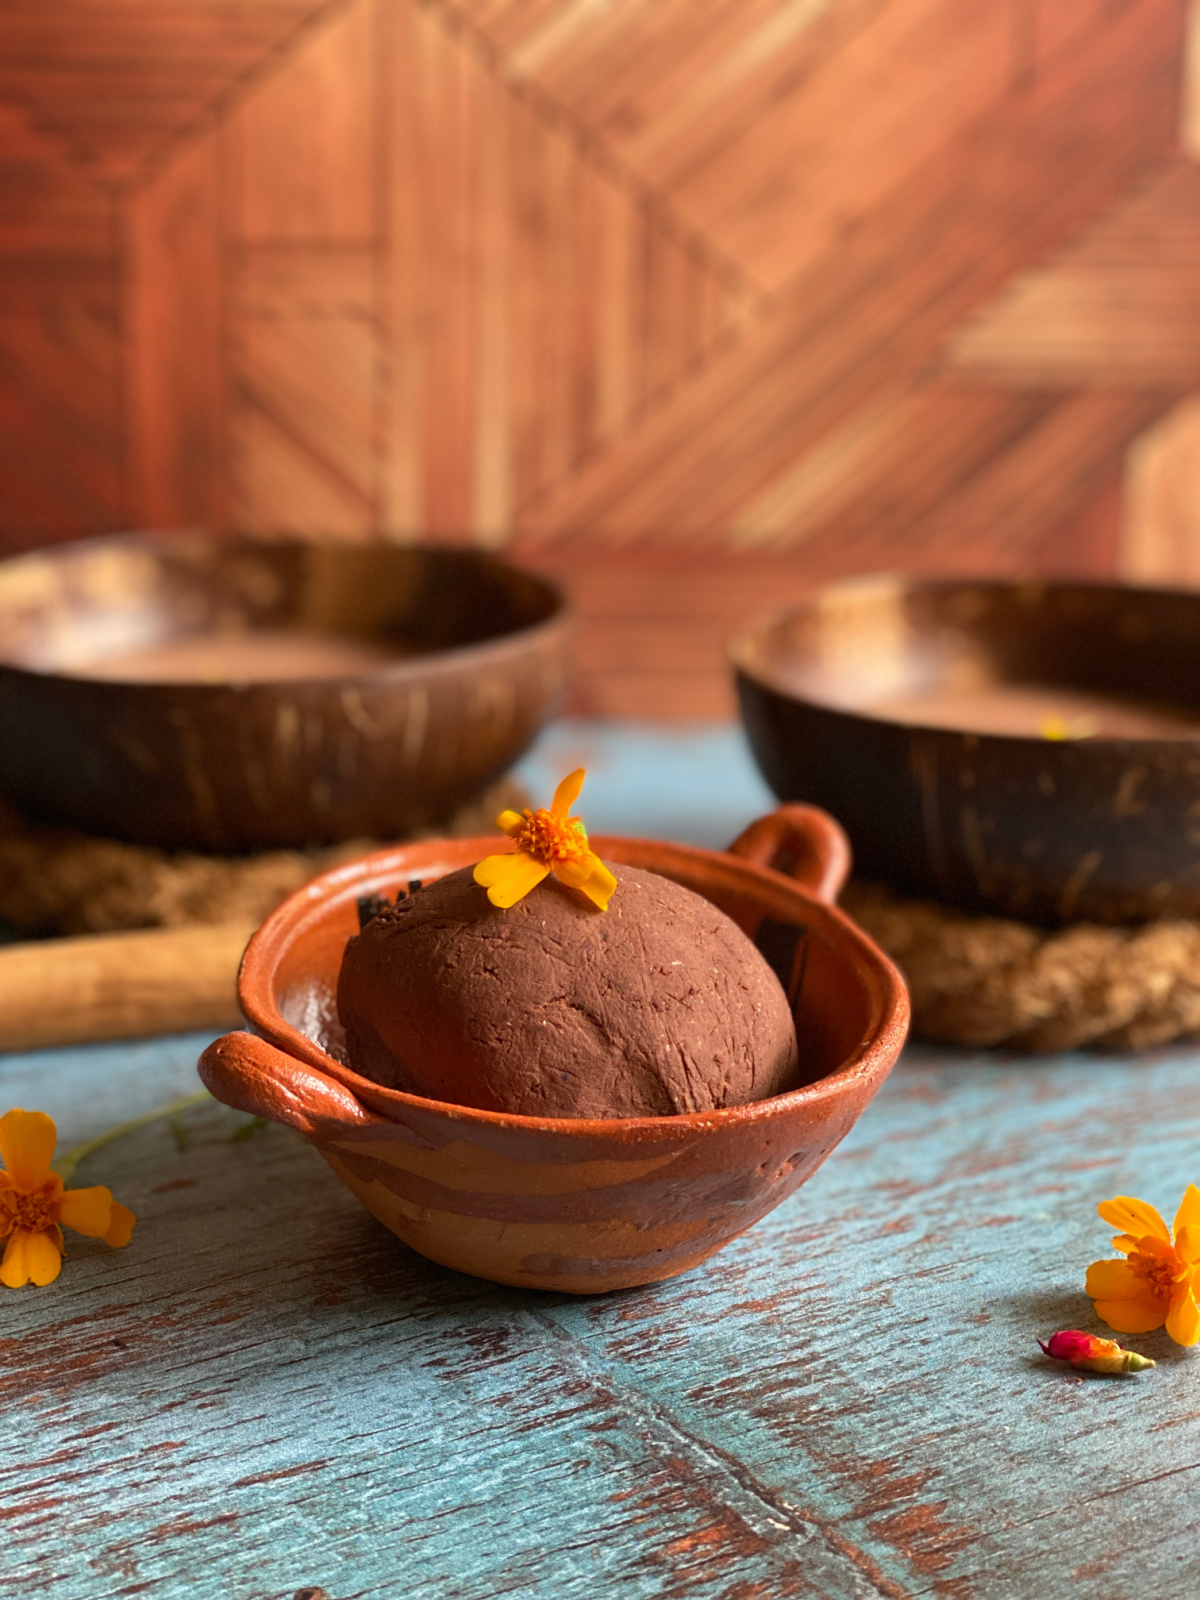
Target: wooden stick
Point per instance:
(120, 985)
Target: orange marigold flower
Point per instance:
(1155, 1286)
(547, 841)
(34, 1206)
(1092, 1354)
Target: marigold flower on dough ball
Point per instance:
(1156, 1284)
(547, 841)
(34, 1206)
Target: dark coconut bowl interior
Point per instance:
(1091, 814)
(453, 660)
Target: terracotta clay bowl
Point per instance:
(448, 663)
(1050, 829)
(578, 1206)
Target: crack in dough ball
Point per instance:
(659, 1005)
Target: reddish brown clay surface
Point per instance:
(571, 1204)
(661, 1007)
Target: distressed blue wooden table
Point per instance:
(266, 1391)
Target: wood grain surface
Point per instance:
(872, 280)
(266, 1391)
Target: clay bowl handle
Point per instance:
(802, 842)
(251, 1075)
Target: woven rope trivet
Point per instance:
(989, 981)
(54, 880)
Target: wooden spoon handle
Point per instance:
(802, 842)
(251, 1075)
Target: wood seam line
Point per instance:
(845, 1558)
(716, 350)
(969, 129)
(657, 214)
(61, 146)
(229, 98)
(249, 395)
(556, 116)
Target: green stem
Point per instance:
(66, 1164)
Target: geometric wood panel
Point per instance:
(115, 82)
(432, 302)
(1121, 303)
(878, 282)
(857, 347)
(775, 127)
(60, 443)
(176, 391)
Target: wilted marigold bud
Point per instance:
(1092, 1354)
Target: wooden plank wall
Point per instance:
(633, 289)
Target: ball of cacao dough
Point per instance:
(659, 1005)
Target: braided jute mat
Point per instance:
(58, 881)
(989, 981)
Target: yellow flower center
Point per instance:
(34, 1209)
(552, 839)
(1160, 1272)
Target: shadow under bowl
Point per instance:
(1031, 749)
(573, 1205)
(415, 677)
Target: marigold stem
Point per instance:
(66, 1164)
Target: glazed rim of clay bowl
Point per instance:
(306, 934)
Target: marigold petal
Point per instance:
(27, 1140)
(87, 1211)
(1188, 1215)
(1183, 1319)
(1114, 1280)
(508, 879)
(1133, 1216)
(31, 1258)
(567, 792)
(589, 875)
(600, 885)
(120, 1229)
(1187, 1244)
(1160, 1249)
(510, 822)
(1131, 1316)
(1125, 1243)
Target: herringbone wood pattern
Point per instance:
(842, 283)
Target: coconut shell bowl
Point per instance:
(577, 1206)
(1031, 750)
(226, 696)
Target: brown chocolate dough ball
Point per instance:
(660, 1004)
